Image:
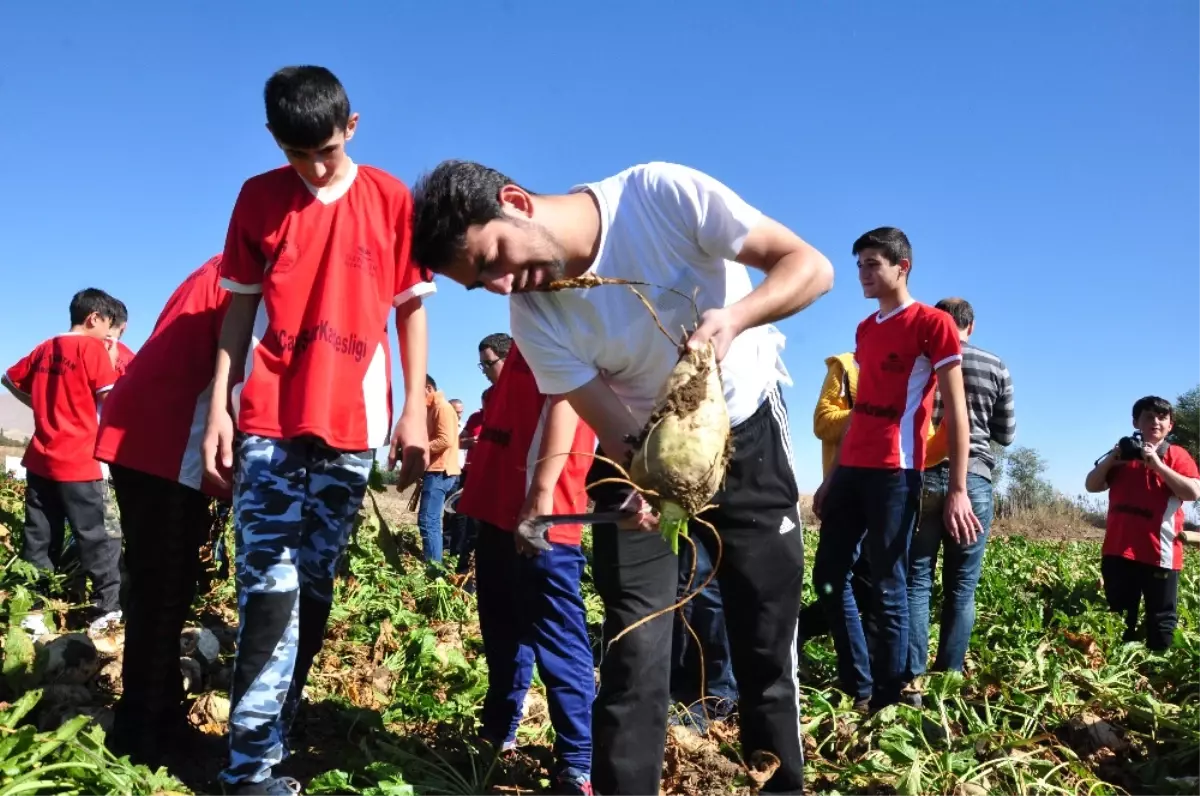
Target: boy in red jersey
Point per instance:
(64, 380)
(530, 606)
(1143, 540)
(324, 243)
(150, 434)
(873, 493)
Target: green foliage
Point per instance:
(1187, 422)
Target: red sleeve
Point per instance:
(18, 375)
(409, 280)
(100, 371)
(942, 345)
(125, 355)
(1179, 460)
(242, 262)
(474, 424)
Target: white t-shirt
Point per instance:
(671, 226)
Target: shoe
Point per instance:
(862, 705)
(573, 781)
(35, 625)
(271, 786)
(913, 699)
(105, 624)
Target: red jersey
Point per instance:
(1145, 519)
(153, 421)
(471, 429)
(506, 454)
(897, 355)
(124, 357)
(63, 376)
(330, 263)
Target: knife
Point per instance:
(535, 529)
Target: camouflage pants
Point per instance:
(294, 503)
(112, 513)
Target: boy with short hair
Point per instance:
(324, 243)
(873, 494)
(150, 434)
(1148, 480)
(532, 459)
(64, 380)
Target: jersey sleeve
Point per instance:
(99, 368)
(1179, 460)
(942, 345)
(242, 262)
(410, 280)
(19, 376)
(716, 217)
(556, 369)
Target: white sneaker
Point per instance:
(35, 625)
(105, 624)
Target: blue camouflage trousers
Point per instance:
(294, 503)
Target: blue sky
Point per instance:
(1042, 158)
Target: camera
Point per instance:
(1129, 449)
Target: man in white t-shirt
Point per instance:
(677, 228)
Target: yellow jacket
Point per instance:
(832, 414)
(835, 403)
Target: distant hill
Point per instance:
(16, 419)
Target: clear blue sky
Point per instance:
(1042, 158)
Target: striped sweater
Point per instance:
(989, 406)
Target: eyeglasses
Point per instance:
(491, 363)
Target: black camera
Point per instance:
(1129, 449)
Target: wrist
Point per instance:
(738, 314)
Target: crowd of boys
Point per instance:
(266, 381)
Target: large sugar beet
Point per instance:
(683, 451)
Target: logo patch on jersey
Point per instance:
(893, 364)
(283, 260)
(363, 259)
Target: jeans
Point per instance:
(435, 487)
(961, 565)
(877, 508)
(530, 610)
(705, 615)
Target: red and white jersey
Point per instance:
(1145, 519)
(330, 264)
(125, 355)
(153, 421)
(505, 456)
(897, 355)
(63, 376)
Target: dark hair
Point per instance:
(90, 300)
(306, 105)
(455, 401)
(120, 312)
(429, 382)
(456, 195)
(889, 240)
(959, 309)
(1159, 406)
(498, 342)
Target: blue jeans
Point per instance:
(530, 609)
(435, 487)
(878, 508)
(961, 565)
(706, 616)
